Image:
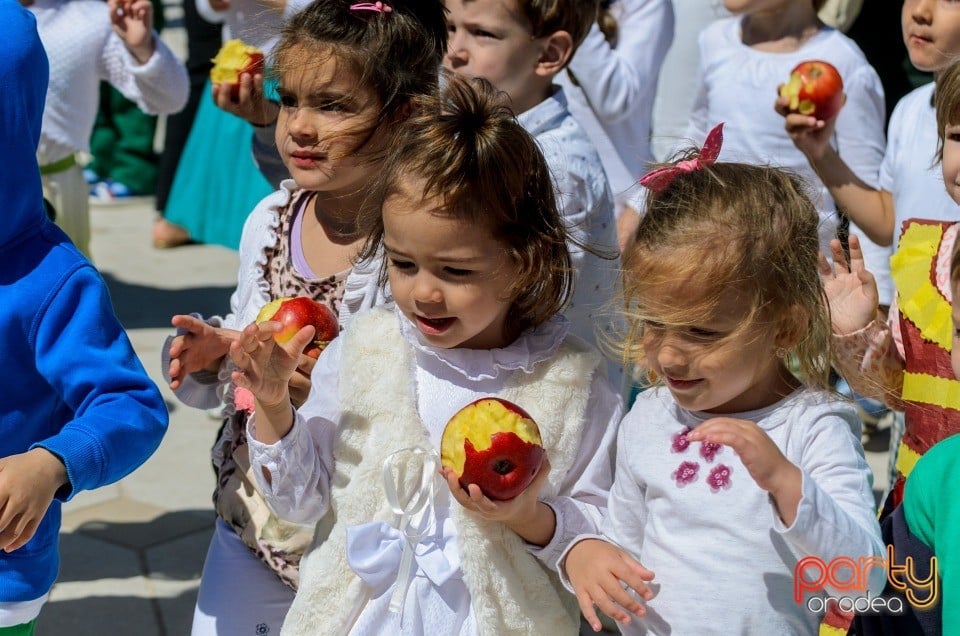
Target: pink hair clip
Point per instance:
(660, 179)
(378, 6)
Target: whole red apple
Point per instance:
(815, 89)
(295, 314)
(233, 59)
(494, 444)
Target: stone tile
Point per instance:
(175, 568)
(140, 526)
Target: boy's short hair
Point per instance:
(946, 102)
(549, 16)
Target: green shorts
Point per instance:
(25, 629)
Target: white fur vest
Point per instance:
(511, 591)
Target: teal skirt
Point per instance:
(217, 183)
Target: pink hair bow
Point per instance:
(660, 179)
(378, 6)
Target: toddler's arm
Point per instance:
(593, 566)
(865, 353)
(857, 135)
(119, 416)
(615, 80)
(294, 473)
(157, 81)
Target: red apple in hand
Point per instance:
(234, 58)
(295, 314)
(815, 89)
(494, 444)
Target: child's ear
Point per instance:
(792, 327)
(557, 51)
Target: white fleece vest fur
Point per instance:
(511, 591)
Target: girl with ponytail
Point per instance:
(476, 257)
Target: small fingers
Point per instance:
(588, 609)
(839, 256)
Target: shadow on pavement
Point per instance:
(118, 616)
(143, 307)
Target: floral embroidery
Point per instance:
(709, 450)
(680, 442)
(719, 477)
(685, 473)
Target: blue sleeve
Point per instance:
(119, 416)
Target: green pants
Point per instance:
(19, 630)
(122, 139)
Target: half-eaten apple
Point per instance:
(232, 60)
(295, 314)
(494, 444)
(815, 89)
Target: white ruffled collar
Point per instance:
(529, 349)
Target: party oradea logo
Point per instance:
(843, 581)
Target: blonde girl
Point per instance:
(731, 468)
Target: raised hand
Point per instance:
(202, 347)
(851, 290)
(596, 569)
(28, 482)
(132, 20)
(767, 465)
(265, 367)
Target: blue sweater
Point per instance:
(70, 381)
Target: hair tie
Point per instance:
(378, 6)
(660, 179)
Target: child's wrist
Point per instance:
(145, 51)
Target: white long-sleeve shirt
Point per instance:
(82, 50)
(301, 464)
(722, 557)
(586, 207)
(615, 90)
(738, 86)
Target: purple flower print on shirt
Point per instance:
(709, 450)
(680, 442)
(719, 477)
(685, 473)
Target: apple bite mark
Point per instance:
(815, 89)
(494, 444)
(233, 59)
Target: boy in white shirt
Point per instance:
(87, 41)
(520, 46)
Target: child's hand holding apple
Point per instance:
(493, 460)
(810, 102)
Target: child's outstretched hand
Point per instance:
(809, 134)
(132, 20)
(202, 347)
(596, 569)
(763, 460)
(265, 367)
(851, 290)
(28, 483)
(251, 103)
